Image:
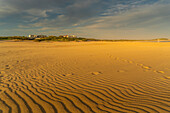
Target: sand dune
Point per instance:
(84, 77)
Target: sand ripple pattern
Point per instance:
(43, 91)
(60, 88)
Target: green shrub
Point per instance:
(37, 40)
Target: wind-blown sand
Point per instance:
(90, 77)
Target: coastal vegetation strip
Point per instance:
(65, 39)
(49, 38)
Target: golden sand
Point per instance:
(84, 77)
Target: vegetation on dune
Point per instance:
(161, 39)
(65, 39)
(13, 38)
(50, 38)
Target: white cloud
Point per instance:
(101, 19)
(38, 12)
(6, 10)
(146, 21)
(147, 15)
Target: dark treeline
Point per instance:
(65, 39)
(13, 38)
(49, 38)
(60, 38)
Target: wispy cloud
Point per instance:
(91, 18)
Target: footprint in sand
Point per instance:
(7, 67)
(96, 73)
(131, 62)
(1, 77)
(116, 58)
(146, 67)
(161, 72)
(68, 74)
(120, 71)
(166, 77)
(124, 60)
(143, 66)
(2, 72)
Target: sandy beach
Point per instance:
(84, 77)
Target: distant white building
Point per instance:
(72, 36)
(36, 36)
(67, 36)
(31, 36)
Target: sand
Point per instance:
(84, 77)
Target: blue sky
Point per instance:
(104, 19)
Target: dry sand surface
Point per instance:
(84, 77)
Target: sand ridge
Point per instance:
(84, 77)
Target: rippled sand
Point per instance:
(84, 77)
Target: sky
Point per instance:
(102, 19)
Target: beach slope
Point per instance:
(84, 77)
